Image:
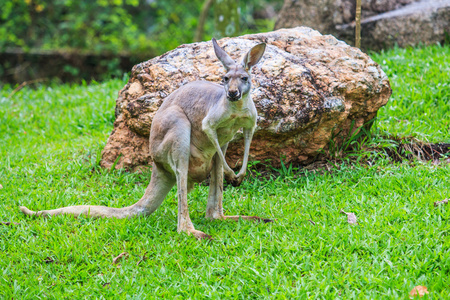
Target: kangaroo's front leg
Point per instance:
(214, 208)
(212, 135)
(237, 180)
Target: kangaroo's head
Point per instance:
(237, 81)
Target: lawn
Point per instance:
(50, 142)
(420, 80)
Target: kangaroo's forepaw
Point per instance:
(234, 181)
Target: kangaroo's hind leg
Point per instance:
(174, 151)
(161, 183)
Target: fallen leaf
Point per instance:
(445, 201)
(1, 186)
(119, 257)
(351, 217)
(419, 290)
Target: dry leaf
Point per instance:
(119, 257)
(351, 217)
(419, 290)
(445, 201)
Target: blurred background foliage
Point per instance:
(72, 40)
(136, 27)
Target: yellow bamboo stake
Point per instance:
(201, 20)
(358, 24)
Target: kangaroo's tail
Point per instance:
(160, 184)
(87, 210)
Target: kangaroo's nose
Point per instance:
(233, 94)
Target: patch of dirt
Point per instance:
(404, 150)
(421, 151)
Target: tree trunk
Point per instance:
(226, 18)
(202, 20)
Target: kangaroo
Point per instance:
(189, 136)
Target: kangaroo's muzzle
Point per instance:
(234, 96)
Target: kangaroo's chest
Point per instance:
(227, 130)
(202, 149)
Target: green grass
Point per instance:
(420, 102)
(50, 143)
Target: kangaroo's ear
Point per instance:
(226, 60)
(253, 56)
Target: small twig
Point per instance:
(312, 222)
(107, 285)
(9, 223)
(445, 201)
(119, 257)
(142, 259)
(25, 83)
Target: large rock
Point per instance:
(385, 23)
(307, 88)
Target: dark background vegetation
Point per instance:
(94, 39)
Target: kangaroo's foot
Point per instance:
(200, 235)
(188, 227)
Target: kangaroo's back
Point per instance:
(195, 99)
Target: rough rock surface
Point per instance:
(306, 88)
(384, 22)
(324, 15)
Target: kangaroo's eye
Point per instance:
(225, 78)
(245, 79)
